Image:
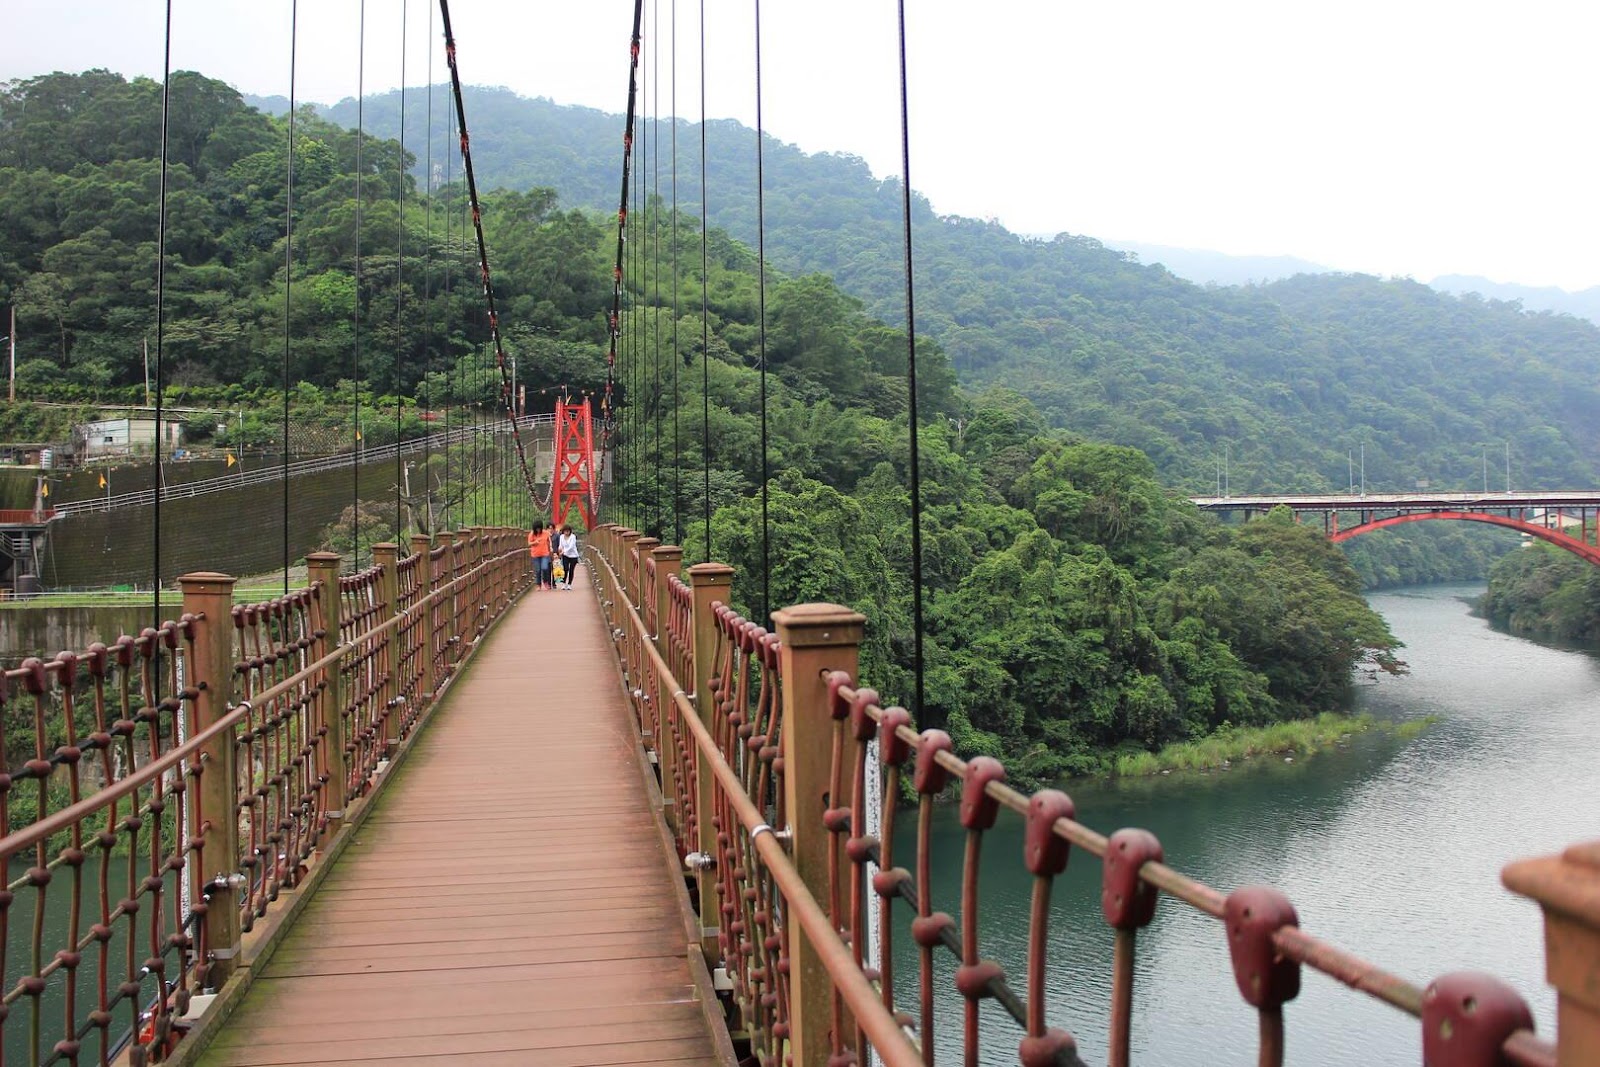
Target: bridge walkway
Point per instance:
(504, 902)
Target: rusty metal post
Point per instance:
(1567, 887)
(209, 597)
(386, 555)
(709, 583)
(668, 559)
(815, 639)
(422, 545)
(322, 571)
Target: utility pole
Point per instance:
(1486, 472)
(1508, 464)
(147, 379)
(1363, 468)
(1225, 490)
(1350, 470)
(12, 392)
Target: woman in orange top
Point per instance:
(539, 549)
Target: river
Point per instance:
(1391, 848)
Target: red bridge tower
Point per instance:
(574, 480)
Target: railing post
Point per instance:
(643, 593)
(422, 545)
(815, 639)
(447, 539)
(709, 583)
(668, 559)
(386, 554)
(322, 571)
(209, 597)
(1567, 887)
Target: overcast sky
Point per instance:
(1408, 137)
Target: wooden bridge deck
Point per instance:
(505, 902)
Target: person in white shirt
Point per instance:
(568, 546)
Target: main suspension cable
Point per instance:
(608, 404)
(483, 247)
(918, 706)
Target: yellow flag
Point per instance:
(231, 460)
(358, 435)
(102, 481)
(46, 490)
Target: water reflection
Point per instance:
(1392, 849)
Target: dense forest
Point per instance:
(1076, 604)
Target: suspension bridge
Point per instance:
(425, 812)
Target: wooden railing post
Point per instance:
(643, 592)
(1567, 887)
(386, 555)
(668, 559)
(422, 545)
(709, 583)
(815, 639)
(627, 564)
(322, 571)
(209, 597)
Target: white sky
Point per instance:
(1416, 137)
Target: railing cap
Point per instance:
(819, 625)
(203, 582)
(321, 557)
(667, 552)
(649, 542)
(710, 574)
(1568, 883)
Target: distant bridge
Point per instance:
(1547, 515)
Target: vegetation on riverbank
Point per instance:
(1233, 743)
(1544, 591)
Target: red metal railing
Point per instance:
(25, 516)
(792, 867)
(177, 782)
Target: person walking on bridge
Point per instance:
(539, 548)
(569, 554)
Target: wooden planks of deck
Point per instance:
(508, 900)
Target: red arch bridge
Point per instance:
(1569, 519)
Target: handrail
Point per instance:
(888, 1039)
(730, 752)
(286, 723)
(58, 821)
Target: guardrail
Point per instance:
(276, 472)
(182, 779)
(764, 759)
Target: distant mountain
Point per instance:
(271, 105)
(1218, 268)
(1585, 304)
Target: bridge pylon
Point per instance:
(574, 480)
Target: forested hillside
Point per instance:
(1075, 604)
(1288, 377)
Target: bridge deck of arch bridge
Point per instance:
(496, 907)
(1420, 500)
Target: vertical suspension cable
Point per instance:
(427, 289)
(655, 244)
(161, 307)
(761, 303)
(450, 453)
(911, 383)
(355, 357)
(677, 448)
(705, 300)
(288, 285)
(399, 292)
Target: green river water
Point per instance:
(1389, 848)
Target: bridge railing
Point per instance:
(768, 750)
(166, 789)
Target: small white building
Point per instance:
(111, 437)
